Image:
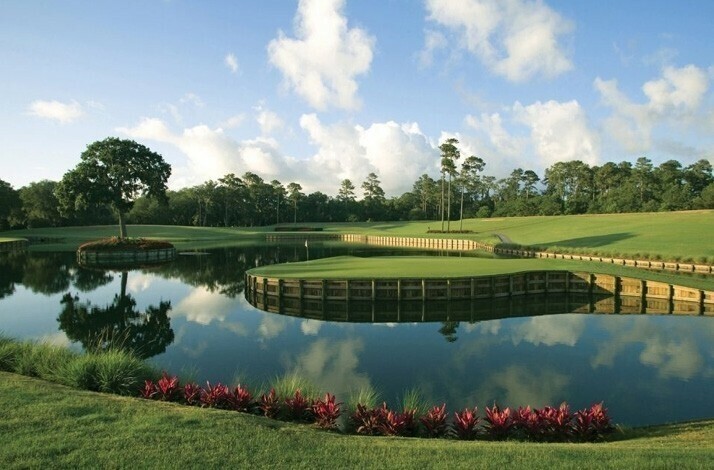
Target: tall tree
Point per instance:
(449, 154)
(373, 197)
(10, 205)
(346, 192)
(280, 194)
(469, 179)
(295, 195)
(114, 172)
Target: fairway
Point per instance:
(663, 235)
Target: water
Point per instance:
(190, 317)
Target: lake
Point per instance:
(191, 317)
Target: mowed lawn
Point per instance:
(45, 425)
(669, 235)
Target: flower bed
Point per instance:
(547, 424)
(114, 250)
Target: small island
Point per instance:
(115, 250)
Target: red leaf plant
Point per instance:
(326, 412)
(498, 422)
(149, 391)
(367, 421)
(269, 404)
(167, 387)
(434, 421)
(592, 424)
(216, 396)
(556, 422)
(240, 399)
(465, 424)
(192, 393)
(299, 408)
(394, 423)
(527, 422)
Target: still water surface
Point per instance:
(190, 317)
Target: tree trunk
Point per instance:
(448, 207)
(441, 208)
(461, 216)
(124, 277)
(122, 225)
(295, 212)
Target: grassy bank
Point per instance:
(349, 267)
(46, 424)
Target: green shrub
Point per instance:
(120, 372)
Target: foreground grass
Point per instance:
(45, 424)
(404, 267)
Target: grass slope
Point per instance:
(350, 267)
(45, 424)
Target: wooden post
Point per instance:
(301, 292)
(448, 289)
(324, 290)
(347, 290)
(423, 289)
(473, 293)
(374, 291)
(399, 289)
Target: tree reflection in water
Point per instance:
(117, 325)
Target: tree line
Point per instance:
(463, 189)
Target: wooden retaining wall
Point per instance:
(125, 257)
(468, 245)
(13, 245)
(385, 311)
(633, 295)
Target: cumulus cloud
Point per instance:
(550, 330)
(268, 120)
(433, 41)
(63, 113)
(322, 62)
(398, 153)
(231, 61)
(517, 39)
(556, 131)
(204, 307)
(333, 366)
(559, 131)
(673, 98)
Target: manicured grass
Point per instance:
(49, 425)
(69, 238)
(667, 235)
(404, 267)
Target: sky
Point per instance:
(317, 91)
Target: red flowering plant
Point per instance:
(367, 421)
(215, 396)
(192, 393)
(592, 424)
(167, 388)
(149, 391)
(498, 422)
(240, 399)
(465, 424)
(434, 421)
(326, 412)
(270, 404)
(299, 407)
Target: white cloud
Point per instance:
(674, 99)
(268, 120)
(233, 121)
(559, 132)
(310, 327)
(204, 307)
(433, 41)
(550, 330)
(517, 39)
(64, 113)
(271, 326)
(398, 153)
(192, 98)
(326, 56)
(231, 61)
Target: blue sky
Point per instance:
(321, 90)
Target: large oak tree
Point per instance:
(115, 172)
